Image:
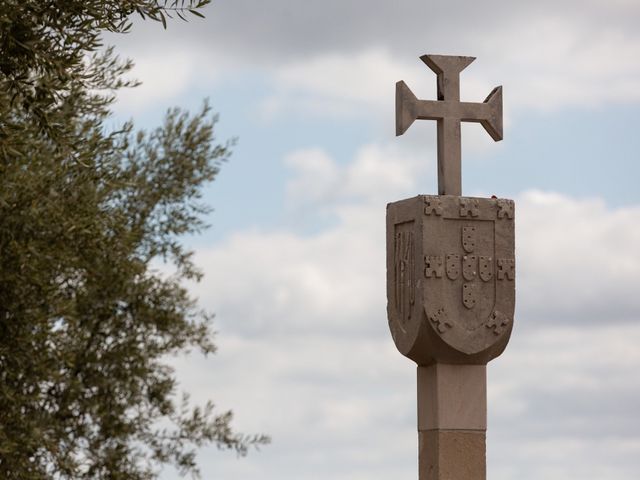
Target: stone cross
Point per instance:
(450, 283)
(449, 111)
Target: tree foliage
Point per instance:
(44, 43)
(86, 323)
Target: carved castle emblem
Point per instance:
(405, 274)
(462, 288)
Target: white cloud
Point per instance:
(579, 260)
(562, 403)
(163, 76)
(330, 60)
(378, 172)
(317, 176)
(557, 61)
(324, 82)
(166, 73)
(547, 64)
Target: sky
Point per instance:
(294, 261)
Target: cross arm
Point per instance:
(409, 108)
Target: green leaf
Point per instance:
(196, 13)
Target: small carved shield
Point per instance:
(486, 268)
(469, 267)
(469, 295)
(453, 266)
(468, 238)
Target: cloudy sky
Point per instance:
(294, 263)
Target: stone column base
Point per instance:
(452, 455)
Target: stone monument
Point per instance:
(450, 282)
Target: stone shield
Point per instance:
(450, 277)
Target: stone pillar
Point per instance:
(452, 422)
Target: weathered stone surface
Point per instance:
(452, 455)
(452, 397)
(450, 277)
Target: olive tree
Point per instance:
(86, 322)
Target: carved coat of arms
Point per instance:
(451, 277)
